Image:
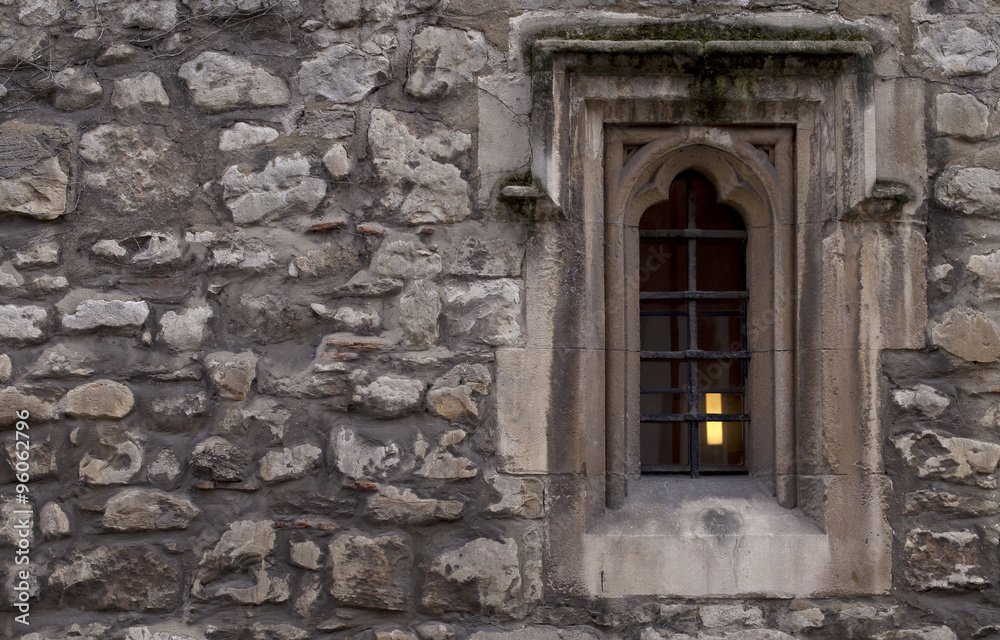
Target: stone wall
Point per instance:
(254, 276)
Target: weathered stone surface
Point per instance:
(42, 461)
(955, 49)
(140, 90)
(389, 633)
(9, 277)
(165, 468)
(443, 60)
(6, 368)
(63, 361)
(486, 311)
(157, 248)
(332, 257)
(327, 121)
(947, 560)
(221, 82)
(76, 89)
(372, 572)
(100, 314)
(22, 323)
(228, 8)
(232, 373)
(290, 463)
(968, 334)
(435, 631)
(246, 544)
(220, 460)
(243, 135)
(816, 5)
(721, 616)
(357, 319)
(962, 116)
(42, 254)
(960, 460)
(922, 398)
(420, 184)
(484, 251)
(922, 633)
(950, 504)
(12, 524)
(453, 395)
(185, 330)
(359, 460)
(337, 162)
(404, 257)
(419, 308)
(148, 510)
(120, 467)
(545, 633)
(342, 73)
(33, 182)
(441, 463)
(970, 190)
(150, 14)
(105, 399)
(492, 566)
(389, 397)
(987, 267)
(519, 497)
(118, 579)
(50, 284)
(363, 285)
(168, 631)
(38, 13)
(397, 506)
(342, 13)
(52, 521)
(282, 188)
(13, 400)
(306, 554)
(125, 166)
(109, 249)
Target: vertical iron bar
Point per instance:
(692, 285)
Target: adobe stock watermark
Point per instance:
(22, 519)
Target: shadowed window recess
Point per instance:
(693, 319)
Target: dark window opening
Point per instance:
(692, 308)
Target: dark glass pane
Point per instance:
(710, 214)
(720, 333)
(663, 443)
(662, 403)
(663, 333)
(708, 307)
(662, 264)
(720, 265)
(663, 374)
(720, 374)
(720, 443)
(671, 214)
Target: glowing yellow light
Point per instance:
(713, 404)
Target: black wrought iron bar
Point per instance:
(692, 294)
(693, 233)
(694, 354)
(702, 313)
(679, 390)
(692, 249)
(694, 417)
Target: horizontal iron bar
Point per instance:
(693, 295)
(735, 313)
(677, 469)
(694, 417)
(694, 354)
(692, 233)
(684, 391)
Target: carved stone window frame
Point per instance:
(814, 522)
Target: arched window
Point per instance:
(693, 320)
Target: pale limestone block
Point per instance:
(121, 467)
(243, 135)
(337, 162)
(101, 399)
(968, 334)
(372, 572)
(522, 389)
(22, 323)
(306, 554)
(404, 507)
(282, 188)
(232, 373)
(925, 399)
(961, 116)
(959, 460)
(53, 522)
(360, 460)
(185, 330)
(43, 254)
(491, 565)
(443, 60)
(12, 401)
(293, 462)
(343, 74)
(76, 89)
(6, 368)
(148, 510)
(956, 49)
(140, 90)
(222, 82)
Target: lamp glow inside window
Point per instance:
(692, 308)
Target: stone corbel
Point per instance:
(885, 203)
(530, 202)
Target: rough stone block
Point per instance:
(342, 73)
(443, 60)
(955, 49)
(6, 368)
(519, 497)
(922, 398)
(42, 254)
(218, 459)
(76, 89)
(106, 314)
(294, 462)
(405, 258)
(306, 554)
(389, 396)
(222, 82)
(419, 308)
(243, 135)
(481, 575)
(959, 460)
(337, 162)
(342, 13)
(487, 311)
(372, 572)
(185, 330)
(948, 561)
(245, 544)
(404, 507)
(179, 411)
(962, 116)
(53, 522)
(232, 373)
(419, 182)
(949, 504)
(138, 91)
(359, 460)
(150, 14)
(33, 181)
(120, 467)
(969, 190)
(968, 334)
(102, 399)
(118, 578)
(22, 323)
(282, 188)
(13, 400)
(148, 510)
